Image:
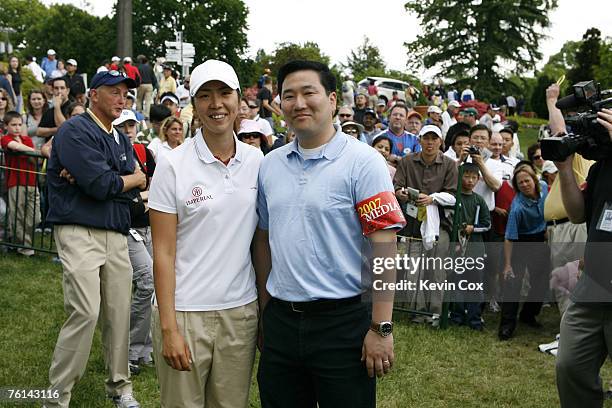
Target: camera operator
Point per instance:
(585, 327)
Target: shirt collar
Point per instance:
(331, 150)
(99, 123)
(206, 155)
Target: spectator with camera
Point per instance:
(583, 345)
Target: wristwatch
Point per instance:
(383, 328)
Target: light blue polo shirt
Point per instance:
(308, 208)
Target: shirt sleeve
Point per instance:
(262, 203)
(47, 120)
(483, 223)
(512, 225)
(162, 194)
(376, 205)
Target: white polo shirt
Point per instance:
(216, 209)
(498, 169)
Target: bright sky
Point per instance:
(339, 26)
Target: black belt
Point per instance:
(557, 222)
(320, 305)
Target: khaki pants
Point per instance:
(566, 242)
(97, 281)
(22, 213)
(222, 345)
(144, 98)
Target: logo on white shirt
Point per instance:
(197, 196)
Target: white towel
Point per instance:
(430, 227)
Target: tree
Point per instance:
(20, 15)
(73, 33)
(470, 42)
(538, 97)
(288, 51)
(603, 72)
(217, 28)
(365, 61)
(587, 57)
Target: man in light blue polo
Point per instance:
(320, 343)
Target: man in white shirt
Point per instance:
(33, 66)
(182, 91)
(203, 216)
(448, 117)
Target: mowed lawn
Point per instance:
(434, 368)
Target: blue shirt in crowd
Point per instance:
(314, 230)
(526, 215)
(405, 144)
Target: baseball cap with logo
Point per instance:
(430, 129)
(110, 78)
(213, 70)
(126, 115)
(249, 126)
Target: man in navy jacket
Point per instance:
(92, 178)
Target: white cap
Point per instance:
(126, 115)
(50, 51)
(171, 97)
(115, 59)
(127, 59)
(434, 109)
(213, 70)
(249, 126)
(430, 129)
(72, 61)
(549, 167)
(454, 104)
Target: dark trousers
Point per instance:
(311, 358)
(535, 257)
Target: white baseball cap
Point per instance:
(126, 115)
(430, 129)
(50, 51)
(127, 59)
(434, 109)
(549, 167)
(71, 61)
(115, 59)
(454, 104)
(213, 70)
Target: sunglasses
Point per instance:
(4, 99)
(249, 136)
(350, 131)
(253, 106)
(345, 115)
(537, 157)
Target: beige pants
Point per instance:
(566, 243)
(97, 281)
(22, 214)
(222, 345)
(144, 98)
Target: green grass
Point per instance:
(434, 368)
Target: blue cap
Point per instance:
(111, 78)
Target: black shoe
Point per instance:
(505, 334)
(134, 367)
(533, 323)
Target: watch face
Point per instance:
(386, 328)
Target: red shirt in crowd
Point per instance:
(503, 199)
(14, 174)
(131, 71)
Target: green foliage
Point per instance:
(467, 44)
(538, 97)
(365, 61)
(560, 63)
(217, 28)
(587, 57)
(29, 83)
(288, 51)
(603, 72)
(20, 15)
(73, 33)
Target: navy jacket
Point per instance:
(96, 161)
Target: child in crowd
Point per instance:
(474, 220)
(21, 183)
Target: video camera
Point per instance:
(587, 136)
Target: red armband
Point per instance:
(379, 212)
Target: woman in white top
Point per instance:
(170, 137)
